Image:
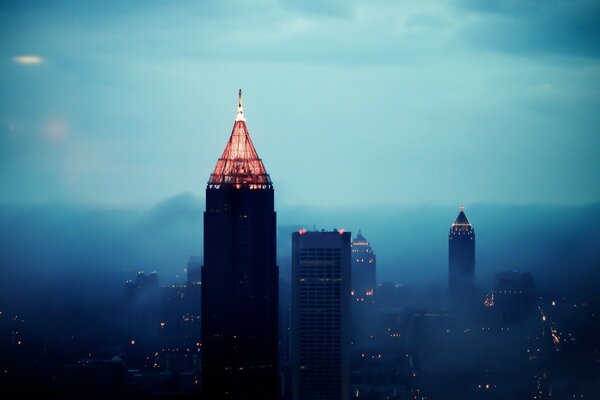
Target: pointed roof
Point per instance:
(461, 220)
(360, 240)
(239, 164)
(359, 237)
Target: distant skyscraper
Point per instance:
(461, 257)
(514, 296)
(320, 315)
(363, 291)
(240, 275)
(363, 267)
(142, 304)
(194, 266)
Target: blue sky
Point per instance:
(348, 103)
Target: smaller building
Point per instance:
(514, 296)
(461, 258)
(363, 291)
(321, 298)
(363, 267)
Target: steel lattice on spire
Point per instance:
(239, 165)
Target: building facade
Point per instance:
(363, 290)
(240, 275)
(461, 257)
(321, 285)
(364, 265)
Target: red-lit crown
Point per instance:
(239, 164)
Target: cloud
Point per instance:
(156, 85)
(567, 28)
(76, 242)
(335, 8)
(28, 59)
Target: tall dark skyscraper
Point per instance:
(240, 275)
(363, 290)
(461, 257)
(320, 315)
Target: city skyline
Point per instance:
(137, 263)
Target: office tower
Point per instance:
(142, 305)
(514, 297)
(461, 257)
(239, 275)
(320, 315)
(363, 267)
(363, 290)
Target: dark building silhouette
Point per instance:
(240, 275)
(514, 296)
(363, 290)
(320, 315)
(285, 317)
(95, 379)
(363, 267)
(141, 311)
(461, 258)
(180, 316)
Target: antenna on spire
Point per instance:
(240, 113)
(462, 208)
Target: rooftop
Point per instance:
(461, 220)
(239, 165)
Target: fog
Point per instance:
(63, 267)
(89, 251)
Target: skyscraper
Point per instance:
(240, 275)
(461, 257)
(363, 290)
(363, 267)
(320, 315)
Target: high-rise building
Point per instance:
(461, 257)
(514, 296)
(142, 305)
(240, 275)
(363, 290)
(321, 323)
(363, 267)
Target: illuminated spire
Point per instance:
(239, 165)
(240, 113)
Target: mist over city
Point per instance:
(299, 200)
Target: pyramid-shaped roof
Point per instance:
(461, 220)
(239, 165)
(359, 237)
